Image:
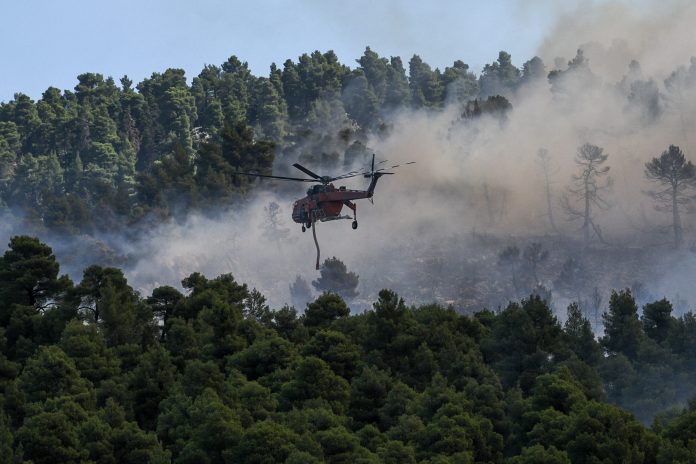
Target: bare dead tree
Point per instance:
(676, 179)
(544, 161)
(586, 189)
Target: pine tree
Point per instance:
(587, 189)
(676, 178)
(335, 277)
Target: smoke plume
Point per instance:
(625, 82)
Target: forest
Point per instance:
(507, 308)
(104, 156)
(93, 372)
(111, 173)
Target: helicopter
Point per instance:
(324, 202)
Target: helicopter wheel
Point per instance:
(309, 225)
(303, 228)
(355, 225)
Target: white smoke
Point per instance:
(480, 177)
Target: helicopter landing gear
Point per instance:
(303, 228)
(354, 208)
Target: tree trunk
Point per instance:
(586, 224)
(676, 220)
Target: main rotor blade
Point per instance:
(367, 172)
(393, 166)
(346, 176)
(364, 172)
(368, 175)
(306, 171)
(350, 173)
(276, 177)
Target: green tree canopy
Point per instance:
(336, 278)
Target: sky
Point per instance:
(49, 42)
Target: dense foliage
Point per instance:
(103, 156)
(93, 372)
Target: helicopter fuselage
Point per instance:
(325, 203)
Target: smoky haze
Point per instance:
(436, 229)
(658, 34)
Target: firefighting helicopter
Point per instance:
(324, 202)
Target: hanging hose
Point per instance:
(314, 233)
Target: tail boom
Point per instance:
(373, 183)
